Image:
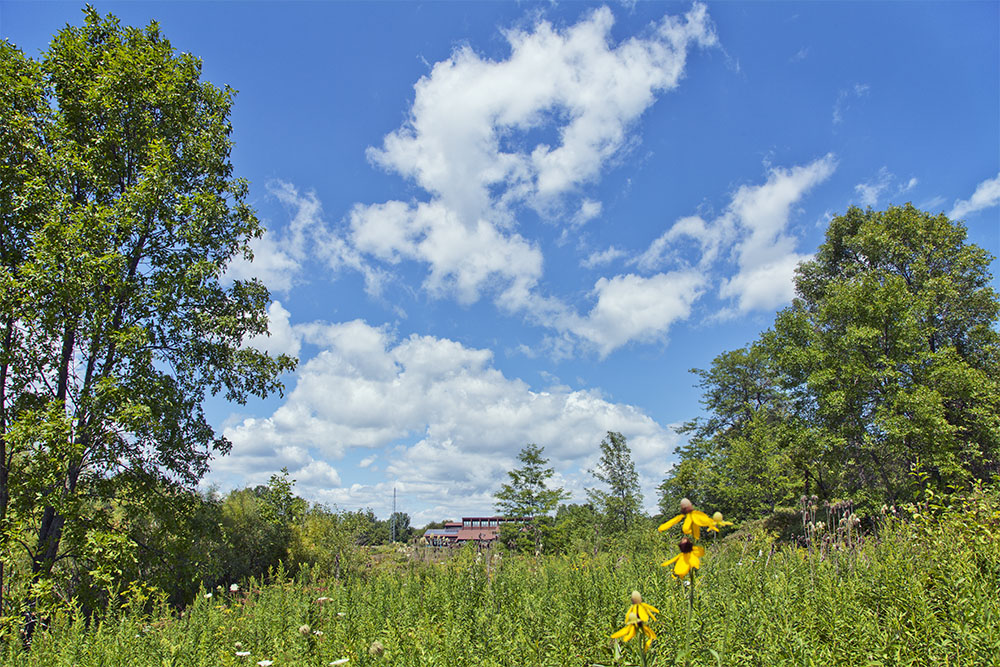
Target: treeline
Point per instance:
(885, 366)
(191, 541)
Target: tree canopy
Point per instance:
(120, 214)
(886, 363)
(621, 503)
(527, 494)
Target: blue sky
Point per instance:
(498, 223)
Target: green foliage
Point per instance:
(326, 543)
(747, 457)
(252, 542)
(527, 495)
(120, 215)
(279, 505)
(399, 523)
(919, 592)
(889, 358)
(621, 504)
(578, 529)
(893, 349)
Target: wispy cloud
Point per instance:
(602, 257)
(282, 253)
(844, 97)
(933, 204)
(766, 254)
(870, 192)
(754, 230)
(986, 195)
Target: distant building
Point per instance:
(484, 530)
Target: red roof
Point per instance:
(483, 534)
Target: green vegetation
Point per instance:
(919, 592)
(887, 361)
(528, 496)
(118, 217)
(119, 214)
(621, 504)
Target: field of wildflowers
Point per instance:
(920, 591)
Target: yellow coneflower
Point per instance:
(693, 519)
(688, 559)
(642, 610)
(717, 518)
(633, 626)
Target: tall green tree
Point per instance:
(621, 504)
(892, 347)
(528, 494)
(399, 526)
(117, 320)
(887, 361)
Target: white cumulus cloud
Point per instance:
(442, 409)
(631, 307)
(753, 231)
(488, 140)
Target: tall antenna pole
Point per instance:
(393, 514)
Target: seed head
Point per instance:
(686, 545)
(636, 597)
(686, 505)
(376, 649)
(304, 629)
(717, 516)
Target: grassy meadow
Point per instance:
(924, 591)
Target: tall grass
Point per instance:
(923, 592)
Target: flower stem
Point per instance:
(687, 634)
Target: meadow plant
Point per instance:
(923, 591)
(637, 620)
